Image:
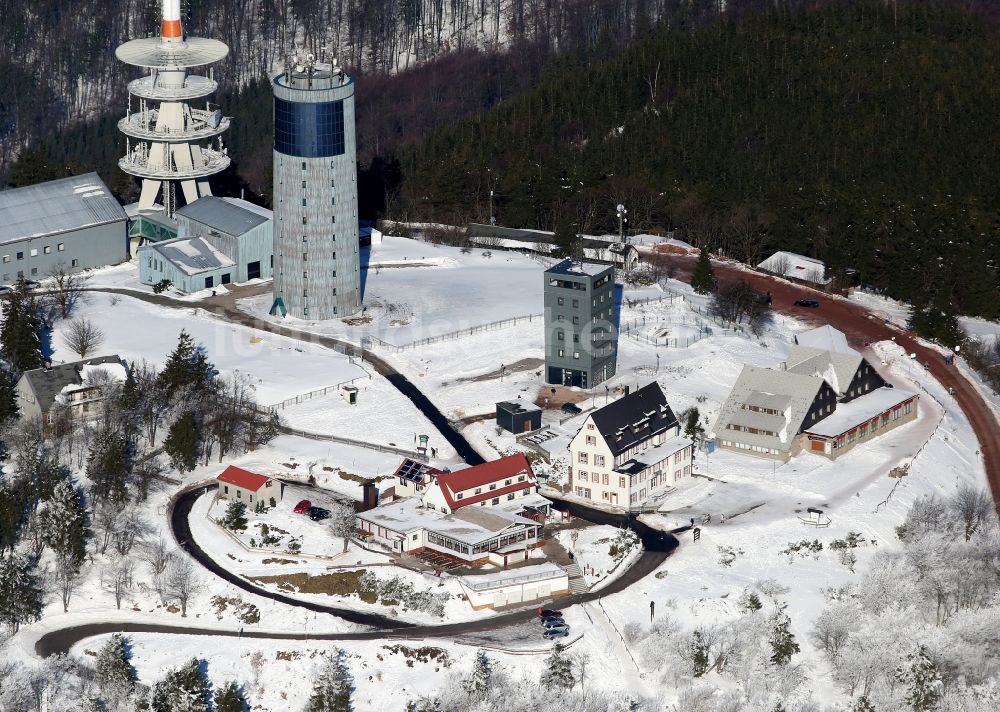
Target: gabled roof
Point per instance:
(242, 478)
(824, 337)
(838, 369)
(47, 383)
(634, 418)
(790, 264)
(497, 471)
(191, 255)
(57, 206)
(231, 216)
(860, 410)
(800, 391)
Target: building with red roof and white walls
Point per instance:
(244, 486)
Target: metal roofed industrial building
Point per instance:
(221, 240)
(75, 222)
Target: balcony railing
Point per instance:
(210, 162)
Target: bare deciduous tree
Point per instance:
(974, 506)
(66, 290)
(117, 577)
(182, 582)
(157, 557)
(131, 529)
(67, 578)
(82, 337)
(104, 524)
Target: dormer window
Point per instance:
(479, 490)
(459, 495)
(493, 486)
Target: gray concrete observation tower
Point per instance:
(316, 267)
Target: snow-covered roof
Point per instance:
(654, 455)
(533, 500)
(48, 384)
(102, 372)
(509, 577)
(790, 264)
(231, 216)
(824, 337)
(837, 368)
(575, 267)
(860, 410)
(57, 206)
(470, 525)
(799, 390)
(191, 255)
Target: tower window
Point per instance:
(333, 201)
(303, 185)
(303, 165)
(333, 218)
(303, 202)
(335, 255)
(334, 291)
(305, 256)
(304, 220)
(305, 275)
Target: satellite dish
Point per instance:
(310, 58)
(299, 68)
(215, 118)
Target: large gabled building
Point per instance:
(630, 451)
(826, 399)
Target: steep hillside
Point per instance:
(853, 131)
(58, 66)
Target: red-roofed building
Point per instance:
(508, 483)
(248, 487)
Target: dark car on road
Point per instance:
(571, 408)
(810, 303)
(318, 513)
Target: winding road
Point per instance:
(657, 546)
(863, 327)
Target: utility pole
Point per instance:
(491, 182)
(622, 213)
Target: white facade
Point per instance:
(508, 588)
(649, 468)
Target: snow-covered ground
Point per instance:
(414, 290)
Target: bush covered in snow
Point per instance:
(398, 590)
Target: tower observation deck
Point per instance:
(168, 140)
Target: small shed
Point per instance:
(516, 417)
(248, 487)
(349, 394)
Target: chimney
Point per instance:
(47, 365)
(626, 390)
(369, 496)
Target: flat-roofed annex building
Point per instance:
(74, 222)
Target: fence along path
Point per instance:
(370, 340)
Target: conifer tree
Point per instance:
(108, 467)
(63, 523)
(558, 670)
(10, 516)
(783, 645)
(567, 242)
(187, 366)
(229, 698)
(114, 673)
(477, 685)
(20, 594)
(236, 516)
(9, 411)
(332, 689)
(922, 680)
(703, 279)
(49, 473)
(182, 690)
(20, 342)
(182, 442)
(698, 649)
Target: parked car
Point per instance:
(552, 619)
(560, 632)
(810, 303)
(571, 408)
(318, 513)
(549, 613)
(554, 623)
(303, 507)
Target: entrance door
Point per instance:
(253, 270)
(527, 426)
(567, 377)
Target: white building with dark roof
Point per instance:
(73, 222)
(824, 400)
(630, 451)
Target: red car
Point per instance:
(303, 507)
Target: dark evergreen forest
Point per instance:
(857, 131)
